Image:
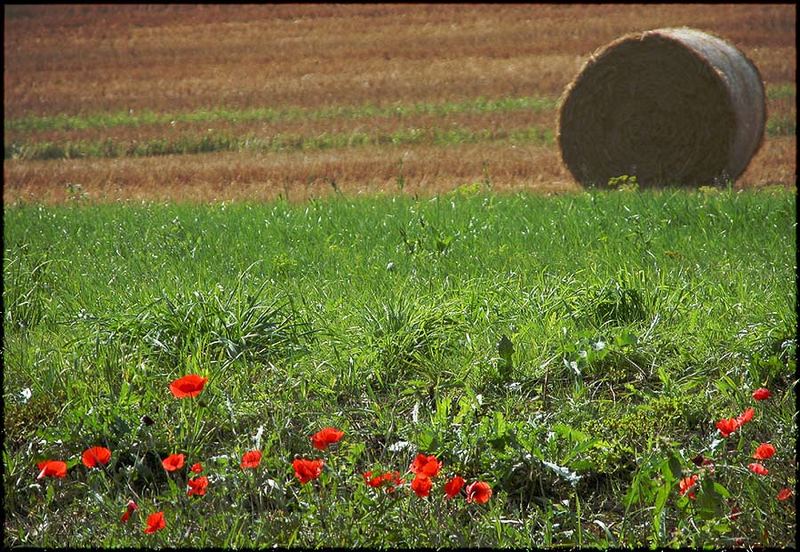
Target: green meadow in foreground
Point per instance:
(593, 358)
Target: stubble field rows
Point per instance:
(278, 88)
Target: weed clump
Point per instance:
(223, 326)
(402, 337)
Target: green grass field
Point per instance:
(575, 352)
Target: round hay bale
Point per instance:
(669, 106)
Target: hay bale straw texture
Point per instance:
(670, 106)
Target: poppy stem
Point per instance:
(258, 478)
(252, 489)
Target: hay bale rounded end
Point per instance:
(672, 107)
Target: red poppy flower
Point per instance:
(197, 468)
(131, 508)
(757, 468)
(93, 456)
(155, 522)
(198, 486)
(480, 492)
(52, 468)
(326, 436)
(421, 485)
(764, 451)
(376, 481)
(726, 426)
(388, 478)
(784, 493)
(745, 416)
(251, 459)
(453, 487)
(427, 465)
(173, 462)
(762, 394)
(188, 386)
(306, 470)
(686, 484)
(393, 478)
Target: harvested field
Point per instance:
(331, 93)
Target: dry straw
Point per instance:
(670, 106)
